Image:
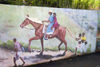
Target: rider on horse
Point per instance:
(51, 20)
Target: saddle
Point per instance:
(45, 28)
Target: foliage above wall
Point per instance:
(76, 4)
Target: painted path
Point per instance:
(6, 57)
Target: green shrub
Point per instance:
(76, 4)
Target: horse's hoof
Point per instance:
(32, 51)
(29, 51)
(59, 49)
(41, 53)
(64, 53)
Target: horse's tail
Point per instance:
(70, 33)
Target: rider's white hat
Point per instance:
(50, 10)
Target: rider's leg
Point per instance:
(49, 30)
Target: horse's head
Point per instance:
(24, 23)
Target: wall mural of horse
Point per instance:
(59, 33)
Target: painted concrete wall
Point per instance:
(77, 21)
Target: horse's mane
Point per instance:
(35, 20)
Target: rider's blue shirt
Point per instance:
(51, 18)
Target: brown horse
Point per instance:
(59, 33)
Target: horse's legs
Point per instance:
(42, 46)
(65, 45)
(33, 38)
(59, 46)
(63, 40)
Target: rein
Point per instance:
(29, 28)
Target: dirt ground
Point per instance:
(6, 57)
(50, 59)
(90, 60)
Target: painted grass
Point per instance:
(10, 46)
